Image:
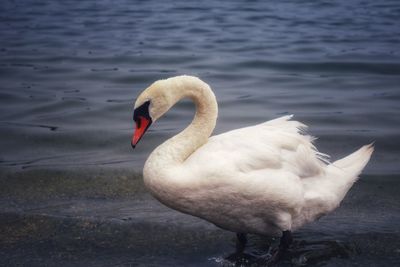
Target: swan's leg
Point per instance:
(275, 253)
(286, 240)
(238, 257)
(241, 241)
(284, 243)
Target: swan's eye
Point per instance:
(142, 111)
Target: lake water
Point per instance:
(71, 70)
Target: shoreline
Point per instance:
(105, 218)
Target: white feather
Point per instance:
(261, 179)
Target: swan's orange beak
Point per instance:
(143, 120)
(142, 124)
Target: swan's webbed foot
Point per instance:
(274, 254)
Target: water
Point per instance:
(70, 71)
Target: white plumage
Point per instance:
(262, 179)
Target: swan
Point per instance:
(267, 179)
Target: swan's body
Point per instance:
(262, 179)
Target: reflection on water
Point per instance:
(301, 253)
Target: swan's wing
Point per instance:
(279, 144)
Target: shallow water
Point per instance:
(107, 218)
(69, 74)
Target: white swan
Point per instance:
(265, 179)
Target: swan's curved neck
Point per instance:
(173, 152)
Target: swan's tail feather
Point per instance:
(325, 195)
(354, 163)
(344, 172)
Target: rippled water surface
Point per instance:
(70, 71)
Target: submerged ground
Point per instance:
(101, 219)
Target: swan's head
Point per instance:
(151, 104)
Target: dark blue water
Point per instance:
(70, 71)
